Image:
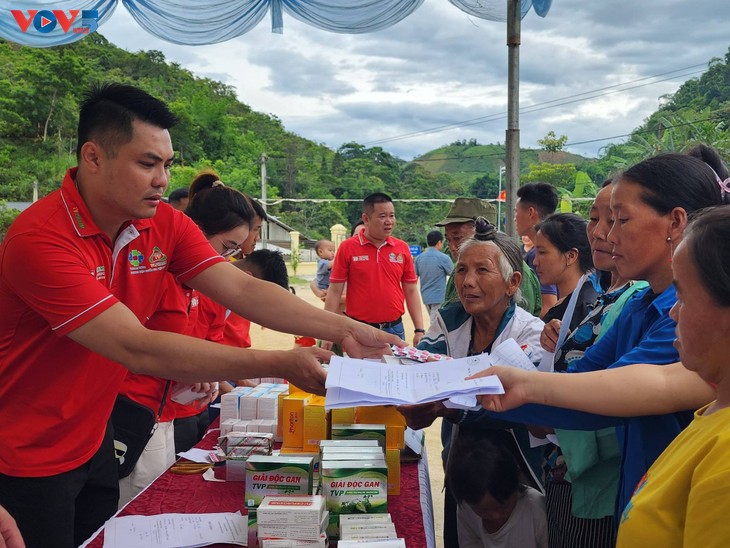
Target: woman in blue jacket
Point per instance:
(650, 203)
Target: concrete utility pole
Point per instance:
(512, 141)
(264, 225)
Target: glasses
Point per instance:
(227, 249)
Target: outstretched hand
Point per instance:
(304, 368)
(421, 415)
(516, 383)
(364, 341)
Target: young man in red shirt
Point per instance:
(379, 273)
(81, 271)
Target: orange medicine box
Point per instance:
(315, 424)
(293, 419)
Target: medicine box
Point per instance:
(359, 432)
(277, 475)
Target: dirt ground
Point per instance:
(272, 340)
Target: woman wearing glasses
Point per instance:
(224, 215)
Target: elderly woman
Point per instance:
(650, 202)
(682, 500)
(487, 276)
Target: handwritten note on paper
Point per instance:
(176, 530)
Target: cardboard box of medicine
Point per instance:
(353, 444)
(359, 432)
(344, 415)
(316, 459)
(294, 543)
(293, 419)
(395, 436)
(280, 416)
(371, 530)
(277, 475)
(334, 451)
(364, 518)
(379, 414)
(354, 487)
(302, 531)
(315, 424)
(291, 509)
(392, 459)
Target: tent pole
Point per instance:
(512, 141)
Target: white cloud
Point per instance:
(440, 66)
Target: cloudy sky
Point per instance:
(591, 70)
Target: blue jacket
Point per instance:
(643, 333)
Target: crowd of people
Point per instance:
(617, 438)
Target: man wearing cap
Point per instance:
(379, 273)
(459, 226)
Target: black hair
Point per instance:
(434, 237)
(216, 208)
(258, 208)
(567, 231)
(707, 238)
(541, 196)
(107, 113)
(266, 264)
(478, 466)
(675, 180)
(178, 195)
(368, 204)
(357, 223)
(712, 158)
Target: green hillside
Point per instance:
(41, 89)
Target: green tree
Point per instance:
(559, 175)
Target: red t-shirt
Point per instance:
(206, 321)
(237, 331)
(57, 272)
(374, 277)
(171, 315)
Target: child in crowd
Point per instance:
(495, 508)
(326, 252)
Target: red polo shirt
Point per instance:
(237, 331)
(171, 315)
(206, 321)
(57, 272)
(374, 277)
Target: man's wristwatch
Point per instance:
(419, 330)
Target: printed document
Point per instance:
(353, 382)
(176, 530)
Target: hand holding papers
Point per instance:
(357, 382)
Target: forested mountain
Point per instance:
(40, 91)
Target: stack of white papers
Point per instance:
(353, 382)
(176, 530)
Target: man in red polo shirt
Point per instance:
(81, 272)
(379, 273)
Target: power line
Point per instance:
(592, 94)
(501, 154)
